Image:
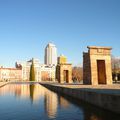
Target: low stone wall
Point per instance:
(3, 84)
(104, 99)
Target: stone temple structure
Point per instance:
(63, 70)
(97, 66)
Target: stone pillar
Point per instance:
(97, 66)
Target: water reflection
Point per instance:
(32, 92)
(50, 103)
(41, 103)
(32, 87)
(63, 102)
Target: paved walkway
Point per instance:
(106, 89)
(114, 86)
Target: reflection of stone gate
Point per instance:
(64, 73)
(97, 66)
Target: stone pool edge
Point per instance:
(3, 84)
(106, 101)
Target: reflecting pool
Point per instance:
(35, 102)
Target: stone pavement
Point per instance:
(106, 89)
(114, 86)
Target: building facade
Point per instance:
(42, 71)
(25, 68)
(10, 74)
(51, 54)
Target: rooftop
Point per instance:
(98, 47)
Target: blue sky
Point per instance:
(26, 26)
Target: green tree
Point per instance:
(32, 72)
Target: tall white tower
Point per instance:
(51, 54)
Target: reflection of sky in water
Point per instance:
(33, 102)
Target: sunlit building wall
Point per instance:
(50, 54)
(42, 71)
(10, 74)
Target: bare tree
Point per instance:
(115, 67)
(77, 74)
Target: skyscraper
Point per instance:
(51, 54)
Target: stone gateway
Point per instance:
(63, 70)
(97, 66)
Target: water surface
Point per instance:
(35, 102)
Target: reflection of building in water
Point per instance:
(17, 90)
(23, 91)
(12, 89)
(93, 115)
(51, 104)
(33, 91)
(63, 102)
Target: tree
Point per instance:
(77, 74)
(32, 72)
(115, 67)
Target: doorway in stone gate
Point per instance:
(101, 71)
